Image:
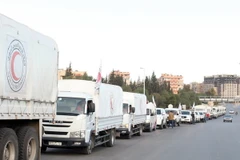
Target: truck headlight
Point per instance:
(76, 134)
(82, 134)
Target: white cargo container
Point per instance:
(151, 118)
(94, 125)
(28, 89)
(134, 114)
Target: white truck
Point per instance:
(151, 118)
(161, 118)
(134, 114)
(93, 125)
(28, 89)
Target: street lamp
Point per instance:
(143, 80)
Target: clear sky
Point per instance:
(192, 38)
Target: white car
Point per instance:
(177, 114)
(231, 112)
(161, 118)
(197, 116)
(186, 116)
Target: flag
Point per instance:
(193, 105)
(180, 106)
(98, 80)
(154, 101)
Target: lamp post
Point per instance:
(143, 80)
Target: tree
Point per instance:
(126, 88)
(115, 79)
(85, 77)
(211, 92)
(68, 74)
(154, 85)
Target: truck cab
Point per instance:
(73, 125)
(134, 115)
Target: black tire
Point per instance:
(8, 144)
(89, 148)
(112, 138)
(28, 143)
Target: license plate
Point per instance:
(55, 143)
(124, 132)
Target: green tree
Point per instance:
(211, 92)
(85, 77)
(126, 88)
(154, 85)
(68, 74)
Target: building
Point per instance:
(175, 81)
(76, 73)
(224, 85)
(196, 87)
(125, 75)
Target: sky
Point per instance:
(192, 38)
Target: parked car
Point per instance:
(161, 118)
(186, 116)
(177, 115)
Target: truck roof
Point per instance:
(74, 94)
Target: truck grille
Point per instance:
(56, 133)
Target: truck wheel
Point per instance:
(88, 149)
(129, 136)
(8, 144)
(140, 131)
(112, 138)
(28, 143)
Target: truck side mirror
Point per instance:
(91, 107)
(133, 109)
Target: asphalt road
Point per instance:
(213, 140)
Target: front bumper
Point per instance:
(64, 142)
(122, 130)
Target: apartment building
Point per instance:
(197, 87)
(225, 85)
(175, 81)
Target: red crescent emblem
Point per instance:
(12, 65)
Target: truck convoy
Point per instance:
(134, 114)
(28, 89)
(86, 117)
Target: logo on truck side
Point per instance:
(16, 65)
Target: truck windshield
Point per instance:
(70, 106)
(125, 108)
